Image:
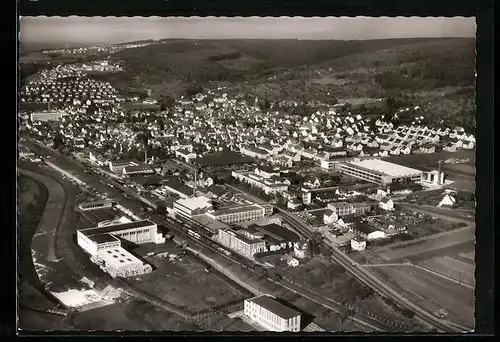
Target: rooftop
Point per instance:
(234, 209)
(195, 202)
(278, 232)
(117, 256)
(390, 169)
(364, 227)
(222, 158)
(209, 222)
(102, 238)
(272, 305)
(177, 186)
(116, 227)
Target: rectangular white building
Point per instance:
(105, 250)
(238, 213)
(380, 172)
(240, 243)
(271, 314)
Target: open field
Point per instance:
(461, 240)
(452, 267)
(132, 315)
(432, 292)
(467, 169)
(179, 282)
(431, 160)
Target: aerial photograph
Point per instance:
(246, 174)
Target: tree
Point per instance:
(58, 140)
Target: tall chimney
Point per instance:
(195, 182)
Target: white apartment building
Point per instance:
(240, 243)
(271, 314)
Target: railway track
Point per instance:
(376, 284)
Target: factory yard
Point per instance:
(431, 292)
(178, 280)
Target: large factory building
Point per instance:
(104, 246)
(380, 172)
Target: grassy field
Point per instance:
(432, 292)
(332, 281)
(431, 160)
(180, 282)
(453, 267)
(461, 240)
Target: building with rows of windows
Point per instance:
(240, 243)
(238, 213)
(271, 314)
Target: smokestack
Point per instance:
(439, 172)
(195, 182)
(145, 155)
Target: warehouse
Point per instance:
(283, 236)
(105, 250)
(238, 213)
(178, 188)
(143, 231)
(95, 205)
(189, 207)
(271, 314)
(240, 243)
(380, 172)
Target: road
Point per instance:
(102, 183)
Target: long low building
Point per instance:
(95, 205)
(271, 314)
(143, 231)
(47, 115)
(380, 172)
(238, 213)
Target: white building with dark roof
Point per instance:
(271, 314)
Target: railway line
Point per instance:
(372, 281)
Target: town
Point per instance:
(285, 220)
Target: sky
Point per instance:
(75, 30)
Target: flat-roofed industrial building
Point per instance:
(143, 231)
(380, 172)
(105, 250)
(238, 213)
(240, 243)
(193, 206)
(271, 314)
(95, 205)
